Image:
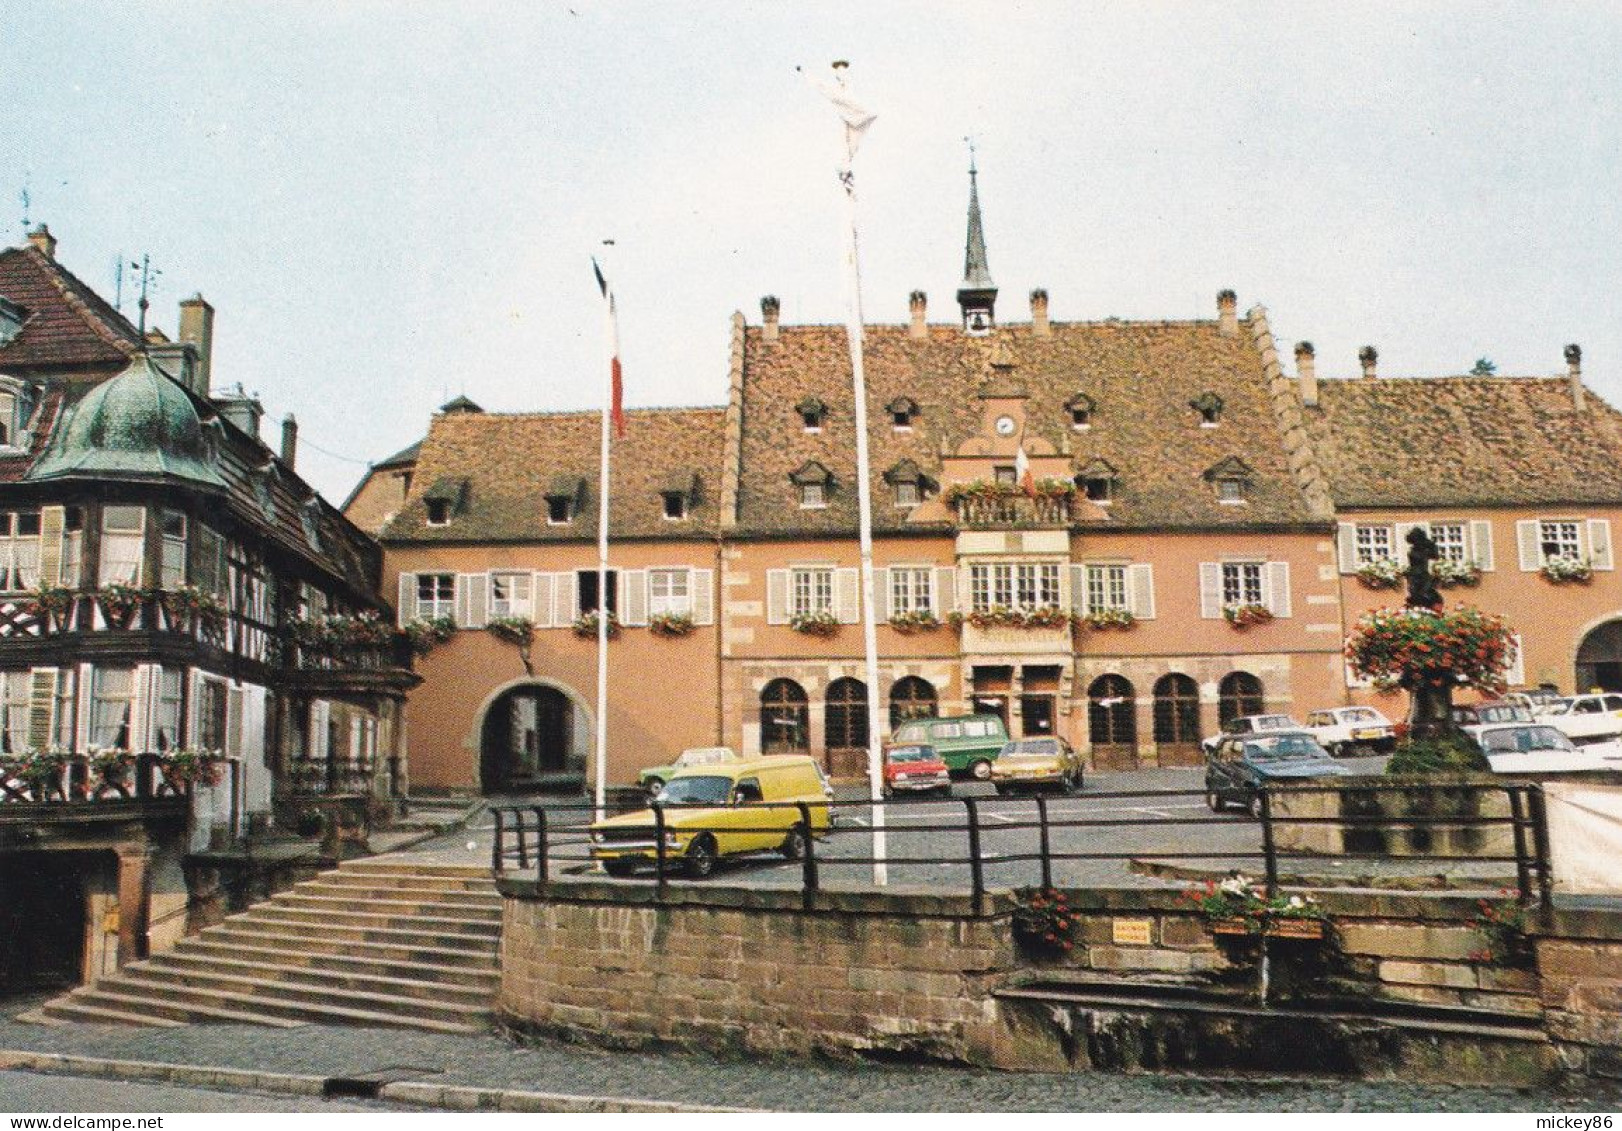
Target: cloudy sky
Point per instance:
(391, 204)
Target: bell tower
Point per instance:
(978, 295)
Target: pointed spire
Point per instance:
(978, 294)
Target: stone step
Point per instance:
(381, 883)
(361, 924)
(287, 999)
(446, 873)
(145, 1008)
(486, 910)
(467, 953)
(471, 989)
(450, 897)
(340, 961)
(70, 1011)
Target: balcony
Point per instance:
(105, 785)
(1002, 510)
(118, 608)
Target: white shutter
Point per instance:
(1346, 546)
(777, 582)
(233, 722)
(1211, 590)
(565, 599)
(1399, 538)
(881, 593)
(407, 610)
(1527, 539)
(1078, 590)
(1516, 676)
(701, 584)
(141, 707)
(83, 691)
(1140, 590)
(541, 601)
(42, 709)
(945, 594)
(1599, 543)
(1278, 588)
(194, 709)
(633, 596)
(320, 716)
(472, 599)
(847, 596)
(52, 524)
(1481, 544)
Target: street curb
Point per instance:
(444, 1097)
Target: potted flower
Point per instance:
(1409, 647)
(1044, 925)
(189, 605)
(1235, 906)
(50, 604)
(670, 624)
(120, 603)
(112, 769)
(1104, 619)
(585, 625)
(820, 622)
(427, 633)
(1505, 925)
(40, 771)
(1563, 568)
(1450, 574)
(918, 620)
(190, 766)
(1382, 573)
(1245, 614)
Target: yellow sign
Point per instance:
(1132, 932)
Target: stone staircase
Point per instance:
(372, 943)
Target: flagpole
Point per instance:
(611, 348)
(854, 332)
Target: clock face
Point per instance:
(1005, 426)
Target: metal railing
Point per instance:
(554, 839)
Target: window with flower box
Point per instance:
(436, 595)
(19, 550)
(806, 590)
(1240, 583)
(112, 705)
(1013, 585)
(1106, 587)
(15, 697)
(911, 590)
(1463, 542)
(1374, 544)
(166, 710)
(123, 532)
(670, 592)
(811, 591)
(511, 594)
(1585, 541)
(172, 553)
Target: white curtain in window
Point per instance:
(110, 708)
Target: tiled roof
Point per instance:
(1463, 441)
(1140, 377)
(68, 324)
(512, 461)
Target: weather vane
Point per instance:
(147, 276)
(970, 140)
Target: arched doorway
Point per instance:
(785, 718)
(1599, 658)
(912, 698)
(1177, 720)
(1112, 726)
(528, 734)
(845, 719)
(1239, 694)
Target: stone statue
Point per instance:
(1422, 592)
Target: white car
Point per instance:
(1340, 730)
(1537, 748)
(1596, 717)
(1248, 724)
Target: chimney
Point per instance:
(43, 241)
(1306, 369)
(918, 304)
(240, 409)
(769, 307)
(197, 327)
(1228, 314)
(1039, 313)
(1574, 373)
(1370, 357)
(289, 440)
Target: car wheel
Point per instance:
(1253, 805)
(981, 770)
(701, 857)
(794, 844)
(1214, 800)
(653, 786)
(619, 868)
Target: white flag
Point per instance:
(855, 117)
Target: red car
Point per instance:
(915, 768)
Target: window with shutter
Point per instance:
(847, 595)
(1141, 589)
(633, 608)
(670, 592)
(511, 594)
(122, 542)
(910, 590)
(436, 595)
(701, 585)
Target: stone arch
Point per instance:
(563, 734)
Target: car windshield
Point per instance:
(696, 791)
(1280, 747)
(1524, 740)
(1503, 713)
(912, 754)
(1031, 746)
(1361, 715)
(910, 733)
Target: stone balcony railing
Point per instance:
(998, 512)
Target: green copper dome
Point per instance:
(140, 424)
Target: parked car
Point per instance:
(1493, 711)
(915, 768)
(1539, 748)
(967, 744)
(653, 778)
(1534, 699)
(1249, 724)
(1340, 730)
(1585, 718)
(1037, 763)
(1242, 764)
(721, 809)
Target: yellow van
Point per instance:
(720, 810)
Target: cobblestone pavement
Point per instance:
(798, 1085)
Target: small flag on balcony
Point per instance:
(617, 410)
(1022, 472)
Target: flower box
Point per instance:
(1243, 616)
(1272, 928)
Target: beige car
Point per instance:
(1037, 763)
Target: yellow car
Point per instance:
(1037, 763)
(720, 810)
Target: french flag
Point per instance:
(617, 409)
(1022, 472)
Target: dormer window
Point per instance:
(16, 406)
(1080, 407)
(310, 518)
(812, 413)
(910, 483)
(907, 495)
(1097, 489)
(439, 512)
(264, 478)
(1097, 481)
(558, 510)
(678, 494)
(447, 497)
(1233, 480)
(902, 410)
(1230, 490)
(814, 482)
(675, 506)
(1209, 406)
(563, 497)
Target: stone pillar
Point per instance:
(134, 894)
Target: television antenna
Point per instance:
(147, 276)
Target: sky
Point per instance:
(393, 204)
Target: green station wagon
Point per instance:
(967, 744)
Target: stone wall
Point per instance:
(920, 974)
